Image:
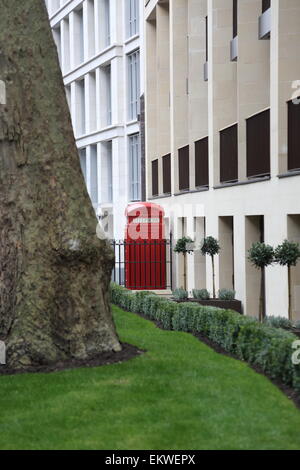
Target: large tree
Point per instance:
(54, 271)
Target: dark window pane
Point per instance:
(229, 154)
(201, 162)
(155, 178)
(266, 4)
(167, 174)
(258, 144)
(184, 168)
(235, 18)
(293, 136)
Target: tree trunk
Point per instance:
(184, 271)
(261, 297)
(290, 293)
(54, 271)
(214, 277)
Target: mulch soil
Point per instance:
(128, 352)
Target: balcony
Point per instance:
(265, 25)
(234, 43)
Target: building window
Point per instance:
(258, 144)
(155, 178)
(266, 4)
(166, 161)
(293, 136)
(107, 172)
(235, 18)
(135, 167)
(132, 14)
(82, 158)
(107, 71)
(134, 84)
(94, 175)
(78, 38)
(206, 38)
(81, 127)
(201, 162)
(229, 154)
(184, 168)
(107, 38)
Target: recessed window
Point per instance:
(201, 162)
(229, 154)
(266, 4)
(235, 18)
(166, 161)
(184, 168)
(155, 178)
(135, 167)
(134, 85)
(293, 135)
(258, 144)
(132, 15)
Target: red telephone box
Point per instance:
(145, 247)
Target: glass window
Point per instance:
(134, 84)
(132, 17)
(135, 167)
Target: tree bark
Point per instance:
(290, 293)
(262, 296)
(214, 277)
(54, 271)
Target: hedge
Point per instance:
(257, 343)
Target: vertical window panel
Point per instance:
(258, 144)
(155, 178)
(229, 154)
(184, 168)
(201, 162)
(166, 160)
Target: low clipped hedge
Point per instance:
(258, 344)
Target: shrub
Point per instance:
(297, 324)
(180, 294)
(278, 322)
(259, 344)
(288, 254)
(226, 294)
(201, 294)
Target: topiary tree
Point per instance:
(184, 245)
(210, 246)
(261, 256)
(288, 254)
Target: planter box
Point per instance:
(235, 305)
(295, 331)
(225, 304)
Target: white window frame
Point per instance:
(132, 18)
(133, 85)
(134, 153)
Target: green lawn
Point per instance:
(179, 395)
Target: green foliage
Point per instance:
(261, 255)
(210, 246)
(184, 245)
(259, 344)
(180, 294)
(278, 322)
(287, 254)
(201, 294)
(226, 294)
(297, 324)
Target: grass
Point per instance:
(179, 395)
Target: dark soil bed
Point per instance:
(288, 391)
(128, 352)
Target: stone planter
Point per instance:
(235, 305)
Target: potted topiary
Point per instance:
(184, 245)
(210, 246)
(261, 256)
(288, 254)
